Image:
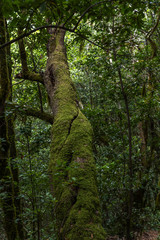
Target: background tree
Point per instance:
(9, 173)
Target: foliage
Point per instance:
(96, 77)
(120, 29)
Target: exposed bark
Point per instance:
(72, 164)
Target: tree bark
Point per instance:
(6, 190)
(9, 191)
(72, 165)
(28, 111)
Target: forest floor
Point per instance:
(149, 235)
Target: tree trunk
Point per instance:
(13, 154)
(72, 165)
(8, 174)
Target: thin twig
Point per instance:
(154, 28)
(18, 82)
(84, 13)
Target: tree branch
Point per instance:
(48, 26)
(47, 117)
(154, 28)
(84, 13)
(149, 35)
(26, 74)
(31, 76)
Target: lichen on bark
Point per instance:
(72, 164)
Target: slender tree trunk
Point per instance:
(6, 187)
(72, 164)
(13, 154)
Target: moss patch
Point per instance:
(72, 163)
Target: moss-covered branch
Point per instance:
(31, 76)
(47, 117)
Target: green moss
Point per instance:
(76, 191)
(72, 163)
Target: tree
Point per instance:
(9, 174)
(72, 164)
(112, 50)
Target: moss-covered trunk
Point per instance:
(9, 191)
(77, 209)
